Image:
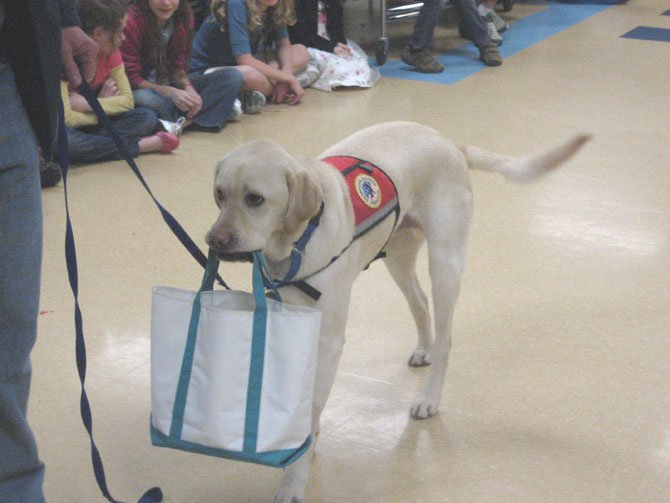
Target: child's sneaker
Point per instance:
(169, 141)
(496, 39)
(500, 24)
(491, 15)
(174, 128)
(308, 76)
(236, 112)
(252, 101)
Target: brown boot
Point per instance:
(423, 60)
(490, 55)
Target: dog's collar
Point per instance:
(296, 253)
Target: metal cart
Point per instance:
(397, 12)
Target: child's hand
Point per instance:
(342, 50)
(197, 99)
(288, 92)
(109, 88)
(188, 102)
(78, 103)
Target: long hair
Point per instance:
(106, 14)
(158, 47)
(282, 14)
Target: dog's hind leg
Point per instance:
(447, 239)
(401, 253)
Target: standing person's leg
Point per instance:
(473, 28)
(21, 471)
(218, 91)
(418, 52)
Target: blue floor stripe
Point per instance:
(649, 33)
(464, 61)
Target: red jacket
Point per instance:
(135, 49)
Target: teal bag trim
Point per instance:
(187, 362)
(257, 358)
(275, 459)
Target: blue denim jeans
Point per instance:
(21, 471)
(94, 144)
(471, 25)
(218, 91)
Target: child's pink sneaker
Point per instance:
(168, 140)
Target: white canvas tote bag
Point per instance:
(232, 374)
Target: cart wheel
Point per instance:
(381, 52)
(507, 5)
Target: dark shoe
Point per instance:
(50, 173)
(490, 55)
(423, 60)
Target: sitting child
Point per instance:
(89, 141)
(155, 51)
(334, 61)
(320, 25)
(252, 34)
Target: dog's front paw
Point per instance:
(291, 489)
(282, 497)
(423, 408)
(420, 358)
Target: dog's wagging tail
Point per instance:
(524, 169)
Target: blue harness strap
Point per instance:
(364, 220)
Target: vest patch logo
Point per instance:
(368, 190)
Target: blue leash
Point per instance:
(153, 495)
(86, 91)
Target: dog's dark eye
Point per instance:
(218, 195)
(253, 200)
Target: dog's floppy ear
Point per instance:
(304, 199)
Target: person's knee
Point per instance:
(255, 80)
(231, 79)
(147, 120)
(300, 56)
(223, 81)
(160, 104)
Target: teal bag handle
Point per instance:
(255, 383)
(179, 406)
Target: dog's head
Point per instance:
(265, 199)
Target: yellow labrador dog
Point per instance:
(268, 201)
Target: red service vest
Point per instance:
(373, 193)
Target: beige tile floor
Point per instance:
(557, 389)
